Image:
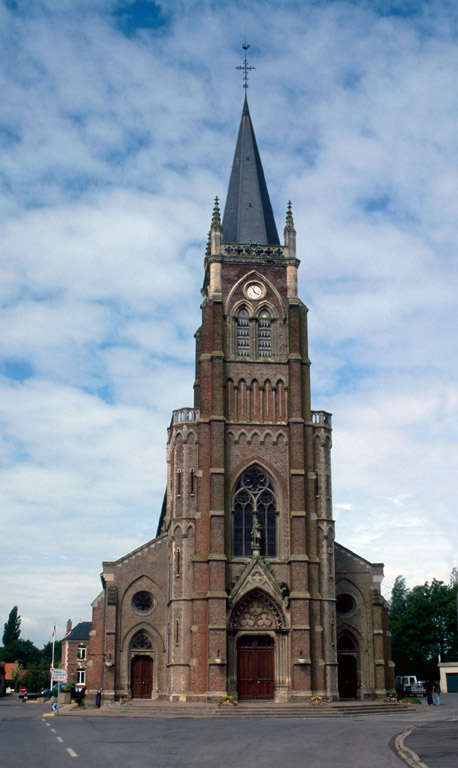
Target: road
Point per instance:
(30, 738)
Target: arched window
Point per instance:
(346, 643)
(141, 642)
(254, 501)
(243, 333)
(264, 334)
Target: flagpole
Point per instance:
(52, 657)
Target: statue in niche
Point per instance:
(256, 536)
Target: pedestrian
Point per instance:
(429, 691)
(437, 692)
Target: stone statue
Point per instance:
(256, 535)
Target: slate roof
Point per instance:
(248, 215)
(80, 632)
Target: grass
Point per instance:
(411, 699)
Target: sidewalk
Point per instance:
(433, 742)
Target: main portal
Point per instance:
(255, 667)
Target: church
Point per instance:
(244, 591)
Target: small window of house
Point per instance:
(81, 677)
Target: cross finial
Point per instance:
(216, 217)
(244, 67)
(289, 216)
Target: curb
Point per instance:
(405, 753)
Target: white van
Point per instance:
(408, 685)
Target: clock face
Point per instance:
(254, 291)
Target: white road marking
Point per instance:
(53, 730)
(71, 752)
(59, 738)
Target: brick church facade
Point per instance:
(244, 590)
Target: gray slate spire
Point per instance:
(248, 213)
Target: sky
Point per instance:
(118, 125)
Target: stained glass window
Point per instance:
(254, 495)
(345, 605)
(142, 601)
(141, 642)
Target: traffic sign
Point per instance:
(22, 689)
(59, 675)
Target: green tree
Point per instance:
(37, 674)
(397, 613)
(398, 602)
(37, 677)
(12, 628)
(22, 651)
(47, 653)
(423, 626)
(16, 674)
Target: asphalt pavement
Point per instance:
(433, 741)
(30, 736)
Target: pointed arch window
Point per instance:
(264, 334)
(243, 333)
(254, 502)
(346, 643)
(141, 642)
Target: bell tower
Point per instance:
(263, 522)
(244, 590)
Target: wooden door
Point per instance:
(141, 678)
(255, 668)
(347, 676)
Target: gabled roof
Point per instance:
(163, 513)
(350, 552)
(80, 632)
(256, 575)
(248, 215)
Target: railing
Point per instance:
(185, 415)
(255, 249)
(322, 418)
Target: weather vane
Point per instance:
(244, 67)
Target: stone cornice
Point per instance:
(252, 253)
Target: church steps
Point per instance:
(164, 710)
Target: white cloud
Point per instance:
(114, 146)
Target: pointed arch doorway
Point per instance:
(255, 667)
(141, 677)
(258, 648)
(141, 666)
(347, 657)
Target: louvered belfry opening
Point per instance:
(264, 334)
(243, 333)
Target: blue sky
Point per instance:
(117, 130)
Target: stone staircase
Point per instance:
(164, 710)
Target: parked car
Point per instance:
(421, 685)
(407, 685)
(64, 687)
